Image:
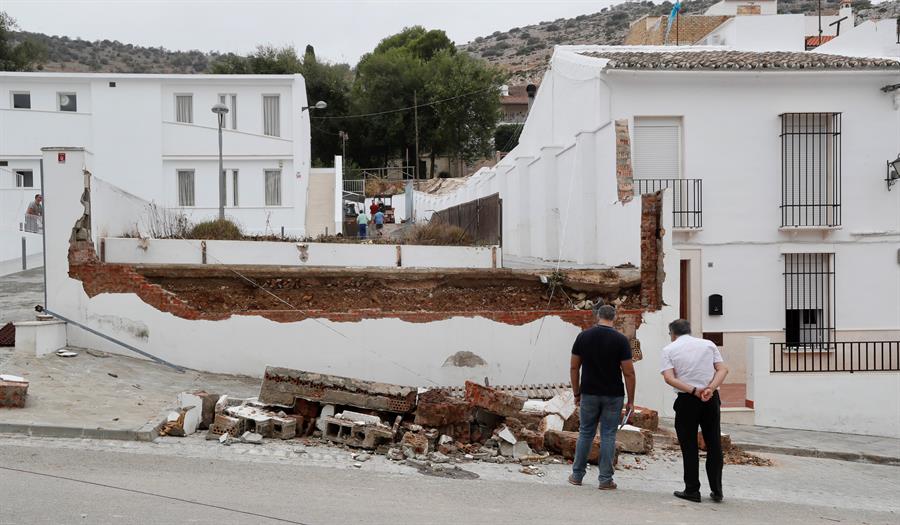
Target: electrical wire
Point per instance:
(154, 494)
(409, 108)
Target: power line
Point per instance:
(409, 108)
(145, 493)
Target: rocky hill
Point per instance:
(525, 51)
(522, 51)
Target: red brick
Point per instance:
(13, 394)
(493, 401)
(436, 408)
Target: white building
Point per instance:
(156, 137)
(784, 222)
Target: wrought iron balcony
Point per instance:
(687, 197)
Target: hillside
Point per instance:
(522, 51)
(525, 51)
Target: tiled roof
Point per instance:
(737, 60)
(816, 41)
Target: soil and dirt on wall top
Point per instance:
(220, 290)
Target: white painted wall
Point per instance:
(870, 38)
(760, 33)
(730, 7)
(857, 403)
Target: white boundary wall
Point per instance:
(858, 403)
(190, 251)
(418, 352)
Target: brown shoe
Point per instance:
(609, 485)
(573, 481)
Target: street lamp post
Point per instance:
(318, 105)
(221, 110)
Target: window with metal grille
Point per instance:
(809, 299)
(811, 169)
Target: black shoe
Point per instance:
(716, 496)
(690, 496)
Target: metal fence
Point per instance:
(848, 356)
(687, 199)
(480, 218)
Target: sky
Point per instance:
(340, 30)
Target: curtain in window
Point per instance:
(233, 111)
(273, 187)
(271, 124)
(185, 188)
(184, 109)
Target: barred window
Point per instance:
(810, 169)
(809, 299)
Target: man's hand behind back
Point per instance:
(706, 395)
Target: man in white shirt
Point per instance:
(694, 367)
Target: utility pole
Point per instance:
(820, 22)
(416, 111)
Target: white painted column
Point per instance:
(524, 212)
(546, 234)
(584, 218)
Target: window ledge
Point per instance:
(809, 228)
(687, 229)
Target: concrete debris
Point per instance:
(207, 408)
(493, 401)
(414, 443)
(221, 405)
(532, 471)
(645, 418)
(563, 443)
(437, 457)
(361, 457)
(194, 406)
(251, 437)
(174, 425)
(13, 391)
(225, 439)
(66, 353)
(516, 450)
(634, 440)
(327, 411)
(437, 408)
(356, 417)
(357, 435)
(506, 435)
(445, 440)
(395, 454)
(282, 386)
(224, 424)
(551, 422)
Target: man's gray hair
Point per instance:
(605, 311)
(680, 327)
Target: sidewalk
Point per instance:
(808, 443)
(103, 396)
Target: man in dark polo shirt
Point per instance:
(601, 355)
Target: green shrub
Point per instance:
(220, 230)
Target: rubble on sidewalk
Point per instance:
(634, 440)
(13, 391)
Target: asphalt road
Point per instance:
(66, 484)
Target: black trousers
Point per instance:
(691, 412)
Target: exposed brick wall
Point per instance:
(624, 173)
(652, 274)
(691, 29)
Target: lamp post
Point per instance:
(221, 110)
(318, 105)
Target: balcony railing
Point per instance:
(32, 224)
(849, 356)
(687, 197)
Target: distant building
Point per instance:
(513, 104)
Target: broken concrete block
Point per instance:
(208, 408)
(224, 424)
(437, 408)
(251, 437)
(282, 386)
(564, 443)
(515, 450)
(284, 427)
(725, 441)
(194, 406)
(493, 401)
(534, 439)
(551, 422)
(307, 409)
(562, 404)
(357, 417)
(395, 454)
(359, 435)
(13, 391)
(644, 418)
(505, 434)
(221, 405)
(225, 439)
(437, 457)
(416, 442)
(327, 412)
(634, 440)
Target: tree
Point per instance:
(22, 56)
(420, 66)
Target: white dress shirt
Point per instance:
(693, 360)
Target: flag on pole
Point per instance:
(675, 9)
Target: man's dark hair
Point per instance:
(680, 327)
(37, 195)
(605, 311)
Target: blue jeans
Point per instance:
(362, 231)
(605, 410)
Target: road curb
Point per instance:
(147, 432)
(855, 457)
